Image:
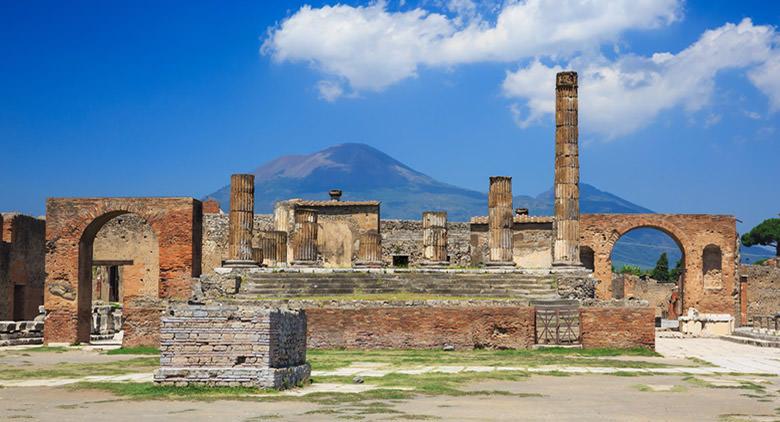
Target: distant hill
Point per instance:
(363, 172)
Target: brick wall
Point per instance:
(617, 327)
(22, 266)
(421, 327)
(763, 290)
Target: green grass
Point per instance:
(332, 359)
(39, 349)
(139, 350)
(649, 389)
(433, 383)
(148, 391)
(78, 370)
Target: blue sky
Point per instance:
(169, 98)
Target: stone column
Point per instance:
(274, 245)
(242, 214)
(500, 220)
(305, 238)
(434, 224)
(370, 250)
(566, 250)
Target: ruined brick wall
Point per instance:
(658, 295)
(693, 233)
(531, 242)
(71, 227)
(617, 327)
(23, 267)
(129, 238)
(421, 327)
(405, 237)
(232, 345)
(763, 290)
(215, 238)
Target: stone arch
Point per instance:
(73, 223)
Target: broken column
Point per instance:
(242, 214)
(500, 219)
(566, 250)
(434, 225)
(274, 245)
(369, 250)
(305, 237)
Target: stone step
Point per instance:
(752, 341)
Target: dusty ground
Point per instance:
(538, 397)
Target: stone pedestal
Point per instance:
(500, 220)
(242, 214)
(566, 249)
(434, 225)
(226, 345)
(369, 250)
(305, 238)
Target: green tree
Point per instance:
(631, 269)
(661, 270)
(674, 274)
(767, 234)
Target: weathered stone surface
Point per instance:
(500, 220)
(567, 171)
(762, 290)
(304, 238)
(242, 213)
(617, 327)
(71, 226)
(693, 233)
(22, 251)
(370, 250)
(219, 345)
(434, 225)
(405, 237)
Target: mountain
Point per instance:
(363, 172)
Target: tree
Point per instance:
(767, 234)
(674, 274)
(661, 270)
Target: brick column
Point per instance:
(566, 250)
(305, 238)
(242, 214)
(434, 225)
(500, 219)
(370, 250)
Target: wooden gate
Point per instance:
(557, 322)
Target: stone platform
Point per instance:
(233, 346)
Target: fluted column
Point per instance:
(369, 250)
(274, 245)
(500, 219)
(242, 214)
(434, 224)
(305, 238)
(566, 250)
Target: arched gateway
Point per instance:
(694, 234)
(71, 227)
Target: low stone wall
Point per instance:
(617, 327)
(405, 237)
(17, 333)
(763, 285)
(231, 345)
(421, 327)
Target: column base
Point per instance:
(240, 263)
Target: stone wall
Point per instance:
(617, 327)
(219, 345)
(405, 237)
(532, 239)
(21, 333)
(215, 237)
(658, 295)
(421, 327)
(22, 262)
(763, 290)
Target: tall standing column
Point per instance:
(566, 250)
(274, 244)
(305, 238)
(500, 219)
(370, 250)
(242, 214)
(434, 224)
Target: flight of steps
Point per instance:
(450, 284)
(753, 337)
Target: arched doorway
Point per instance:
(125, 270)
(648, 263)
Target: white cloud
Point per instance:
(621, 96)
(330, 90)
(372, 47)
(767, 78)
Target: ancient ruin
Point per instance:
(506, 279)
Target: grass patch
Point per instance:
(649, 389)
(149, 391)
(78, 370)
(139, 350)
(40, 349)
(333, 359)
